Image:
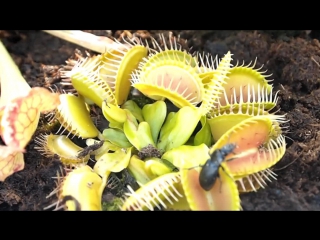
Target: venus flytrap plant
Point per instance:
(19, 113)
(162, 150)
(278, 147)
(153, 167)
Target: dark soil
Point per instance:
(293, 57)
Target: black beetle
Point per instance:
(210, 170)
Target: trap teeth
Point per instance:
(257, 149)
(73, 115)
(245, 84)
(85, 79)
(51, 145)
(169, 74)
(117, 66)
(253, 182)
(158, 193)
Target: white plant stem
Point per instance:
(90, 41)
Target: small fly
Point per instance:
(89, 149)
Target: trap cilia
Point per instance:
(193, 131)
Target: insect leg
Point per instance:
(226, 172)
(192, 167)
(230, 159)
(220, 178)
(220, 183)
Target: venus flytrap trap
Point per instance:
(181, 160)
(246, 84)
(222, 196)
(117, 66)
(60, 145)
(213, 80)
(73, 115)
(155, 194)
(85, 79)
(170, 74)
(82, 190)
(255, 153)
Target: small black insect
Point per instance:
(87, 150)
(210, 170)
